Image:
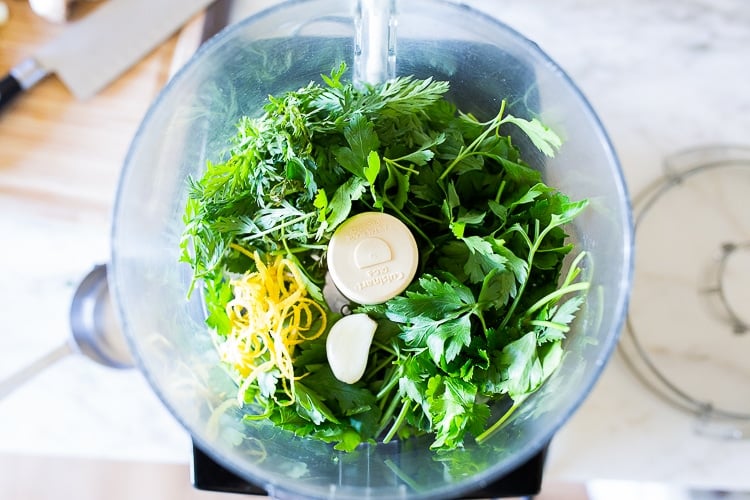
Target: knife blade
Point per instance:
(96, 49)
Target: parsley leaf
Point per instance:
(432, 298)
(453, 408)
(542, 136)
(482, 259)
(362, 139)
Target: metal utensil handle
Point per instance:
(25, 374)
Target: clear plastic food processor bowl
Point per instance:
(282, 49)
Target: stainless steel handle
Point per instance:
(25, 374)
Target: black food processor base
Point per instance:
(524, 481)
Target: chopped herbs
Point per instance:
(483, 322)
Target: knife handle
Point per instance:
(10, 87)
(22, 76)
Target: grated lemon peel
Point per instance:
(269, 315)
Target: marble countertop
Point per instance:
(663, 77)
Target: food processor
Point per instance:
(284, 48)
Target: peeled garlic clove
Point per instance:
(348, 346)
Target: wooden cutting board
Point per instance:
(61, 157)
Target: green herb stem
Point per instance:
(385, 347)
(464, 152)
(396, 164)
(390, 384)
(484, 436)
(398, 422)
(278, 227)
(550, 324)
(538, 237)
(403, 476)
(500, 190)
(411, 223)
(387, 416)
(383, 364)
(575, 287)
(422, 216)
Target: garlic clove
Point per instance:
(348, 346)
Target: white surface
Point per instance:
(663, 76)
(75, 407)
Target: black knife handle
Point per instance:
(10, 87)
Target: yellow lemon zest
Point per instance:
(269, 315)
